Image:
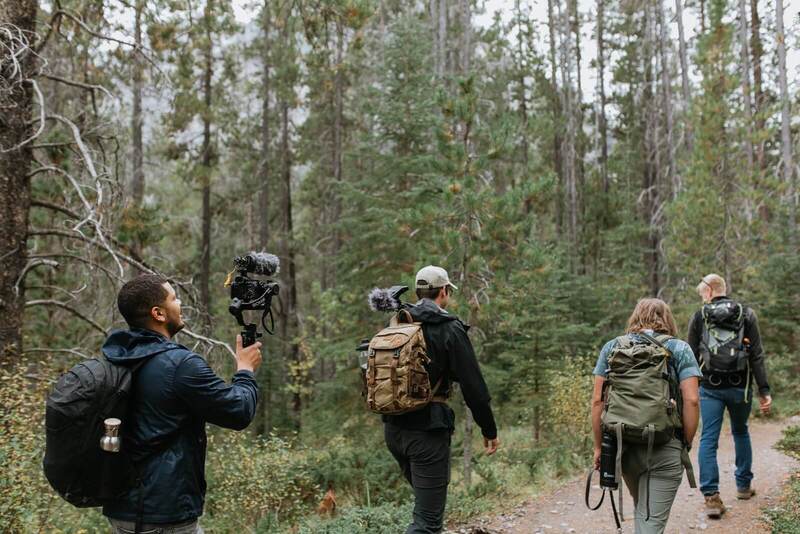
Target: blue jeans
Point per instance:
(712, 409)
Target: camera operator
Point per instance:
(175, 393)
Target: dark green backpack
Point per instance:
(642, 397)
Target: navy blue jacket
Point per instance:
(175, 393)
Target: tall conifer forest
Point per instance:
(560, 158)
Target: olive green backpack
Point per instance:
(397, 376)
(642, 400)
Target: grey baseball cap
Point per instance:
(431, 277)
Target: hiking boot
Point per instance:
(714, 506)
(745, 493)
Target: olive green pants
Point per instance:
(665, 478)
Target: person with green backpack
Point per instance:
(646, 404)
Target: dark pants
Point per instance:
(424, 457)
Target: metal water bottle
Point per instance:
(608, 461)
(110, 442)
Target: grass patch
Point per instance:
(785, 517)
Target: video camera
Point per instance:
(250, 294)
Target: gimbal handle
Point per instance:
(249, 333)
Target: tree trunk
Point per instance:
(265, 167)
(16, 101)
(702, 17)
(745, 81)
(757, 50)
(687, 96)
(205, 246)
(137, 184)
(651, 176)
(556, 118)
(442, 40)
(568, 146)
(786, 135)
(666, 106)
(289, 281)
(601, 89)
(266, 132)
(466, 36)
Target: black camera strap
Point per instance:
(602, 498)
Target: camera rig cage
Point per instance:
(249, 294)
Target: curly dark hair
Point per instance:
(138, 296)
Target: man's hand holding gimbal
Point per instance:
(247, 358)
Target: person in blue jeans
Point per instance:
(724, 335)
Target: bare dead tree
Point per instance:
(745, 83)
(83, 236)
(786, 135)
(19, 96)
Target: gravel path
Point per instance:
(563, 510)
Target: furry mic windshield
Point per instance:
(266, 264)
(382, 300)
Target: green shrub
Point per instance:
(27, 503)
(252, 478)
(387, 518)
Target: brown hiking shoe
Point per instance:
(714, 506)
(745, 493)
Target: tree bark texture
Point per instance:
(687, 96)
(666, 103)
(787, 163)
(558, 160)
(757, 49)
(137, 174)
(205, 245)
(745, 83)
(266, 131)
(16, 126)
(601, 90)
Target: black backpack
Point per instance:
(74, 464)
(722, 349)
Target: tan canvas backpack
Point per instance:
(397, 379)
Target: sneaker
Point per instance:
(714, 506)
(745, 493)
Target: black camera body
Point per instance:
(249, 294)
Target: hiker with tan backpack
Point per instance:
(645, 411)
(409, 370)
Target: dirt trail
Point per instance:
(563, 509)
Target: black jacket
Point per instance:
(452, 359)
(174, 395)
(756, 353)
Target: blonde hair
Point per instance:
(652, 314)
(714, 282)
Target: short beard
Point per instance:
(174, 328)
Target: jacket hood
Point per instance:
(427, 311)
(129, 346)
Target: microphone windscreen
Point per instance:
(382, 300)
(266, 264)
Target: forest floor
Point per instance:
(563, 510)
